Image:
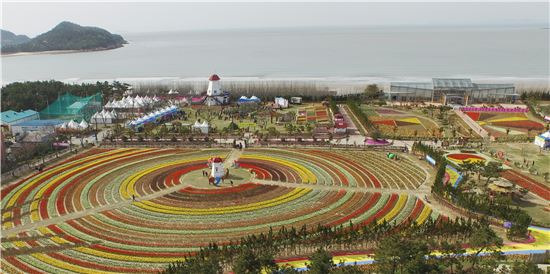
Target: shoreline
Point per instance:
(54, 52)
(341, 84)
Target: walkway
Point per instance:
(233, 156)
(350, 119)
(417, 192)
(90, 211)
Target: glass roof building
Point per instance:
(451, 91)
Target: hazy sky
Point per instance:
(34, 18)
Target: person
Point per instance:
(231, 181)
(133, 197)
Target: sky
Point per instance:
(33, 18)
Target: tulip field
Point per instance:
(98, 227)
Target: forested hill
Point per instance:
(9, 38)
(36, 95)
(68, 36)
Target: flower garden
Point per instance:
(147, 234)
(460, 158)
(400, 123)
(497, 123)
(315, 113)
(341, 168)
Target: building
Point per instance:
(11, 117)
(44, 126)
(340, 126)
(451, 91)
(215, 96)
(217, 167)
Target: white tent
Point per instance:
(62, 126)
(73, 125)
(281, 102)
(202, 127)
(83, 125)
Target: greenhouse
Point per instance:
(452, 91)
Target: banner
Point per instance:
(430, 160)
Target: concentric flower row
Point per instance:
(148, 234)
(138, 239)
(335, 167)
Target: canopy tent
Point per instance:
(153, 116)
(203, 127)
(543, 140)
(244, 100)
(281, 102)
(103, 117)
(129, 102)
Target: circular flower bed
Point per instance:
(461, 157)
(145, 235)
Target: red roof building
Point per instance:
(340, 124)
(215, 160)
(214, 77)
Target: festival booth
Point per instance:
(202, 127)
(128, 102)
(543, 140)
(246, 100)
(153, 116)
(104, 117)
(281, 102)
(73, 126)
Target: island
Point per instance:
(66, 36)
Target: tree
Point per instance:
(372, 92)
(451, 255)
(247, 262)
(390, 256)
(492, 170)
(525, 267)
(484, 239)
(196, 264)
(375, 134)
(321, 262)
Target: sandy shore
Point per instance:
(53, 52)
(40, 52)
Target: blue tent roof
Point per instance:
(10, 116)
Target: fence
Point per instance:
(488, 109)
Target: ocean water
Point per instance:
(330, 54)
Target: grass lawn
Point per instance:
(516, 152)
(261, 122)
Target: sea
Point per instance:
(328, 54)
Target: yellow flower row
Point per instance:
(127, 187)
(305, 174)
(396, 209)
(426, 212)
(31, 183)
(294, 194)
